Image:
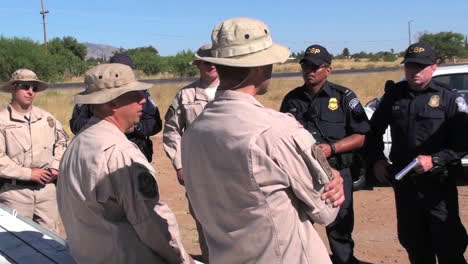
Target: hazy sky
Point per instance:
(172, 26)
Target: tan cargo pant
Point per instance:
(38, 204)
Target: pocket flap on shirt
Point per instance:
(434, 113)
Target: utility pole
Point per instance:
(44, 12)
(409, 31)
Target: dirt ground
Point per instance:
(375, 221)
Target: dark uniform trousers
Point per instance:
(339, 231)
(428, 219)
(331, 115)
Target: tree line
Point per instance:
(66, 58)
(448, 45)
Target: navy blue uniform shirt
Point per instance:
(430, 122)
(334, 109)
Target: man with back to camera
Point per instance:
(254, 176)
(188, 103)
(108, 197)
(32, 142)
(427, 120)
(336, 119)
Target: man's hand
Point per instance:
(334, 193)
(425, 164)
(54, 174)
(326, 149)
(381, 172)
(40, 176)
(180, 177)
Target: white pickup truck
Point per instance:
(22, 241)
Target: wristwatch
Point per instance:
(333, 148)
(435, 161)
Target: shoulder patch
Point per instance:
(461, 104)
(172, 110)
(353, 103)
(51, 121)
(147, 185)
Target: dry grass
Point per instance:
(366, 86)
(344, 64)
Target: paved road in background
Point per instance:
(276, 75)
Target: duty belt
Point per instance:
(22, 183)
(341, 161)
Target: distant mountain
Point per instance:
(99, 50)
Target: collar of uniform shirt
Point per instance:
(235, 95)
(431, 87)
(19, 117)
(324, 90)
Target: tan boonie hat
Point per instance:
(244, 42)
(106, 82)
(24, 76)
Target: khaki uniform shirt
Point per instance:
(37, 143)
(254, 181)
(109, 202)
(186, 106)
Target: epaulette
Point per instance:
(341, 89)
(443, 85)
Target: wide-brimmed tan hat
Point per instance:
(24, 76)
(244, 42)
(106, 82)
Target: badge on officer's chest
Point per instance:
(434, 101)
(333, 104)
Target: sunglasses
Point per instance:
(26, 87)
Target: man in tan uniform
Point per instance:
(186, 106)
(188, 103)
(108, 197)
(255, 178)
(32, 142)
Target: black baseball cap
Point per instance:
(316, 55)
(122, 58)
(420, 53)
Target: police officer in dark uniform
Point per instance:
(335, 117)
(428, 123)
(150, 121)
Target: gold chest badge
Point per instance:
(333, 104)
(434, 101)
